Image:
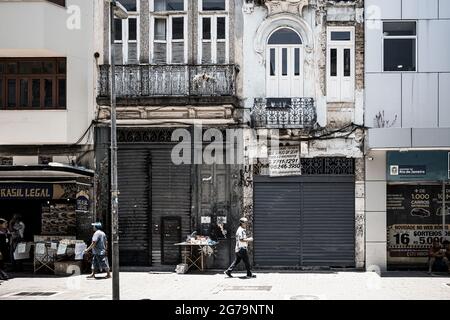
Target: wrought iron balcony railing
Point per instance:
(295, 113)
(140, 81)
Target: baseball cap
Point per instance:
(243, 220)
(98, 225)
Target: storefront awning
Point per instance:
(54, 170)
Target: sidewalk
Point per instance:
(216, 286)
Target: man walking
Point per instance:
(99, 249)
(241, 249)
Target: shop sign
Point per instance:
(414, 220)
(18, 191)
(82, 202)
(418, 165)
(285, 162)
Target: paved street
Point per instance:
(270, 286)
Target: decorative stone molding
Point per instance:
(281, 20)
(286, 6)
(248, 6)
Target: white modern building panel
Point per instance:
(434, 46)
(376, 226)
(444, 9)
(376, 255)
(389, 138)
(374, 48)
(431, 138)
(375, 195)
(376, 165)
(420, 9)
(383, 9)
(419, 100)
(444, 100)
(383, 100)
(33, 127)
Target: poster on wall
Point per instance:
(285, 162)
(414, 220)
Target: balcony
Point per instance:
(169, 84)
(289, 113)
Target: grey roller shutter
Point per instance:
(277, 224)
(133, 173)
(304, 221)
(171, 196)
(328, 224)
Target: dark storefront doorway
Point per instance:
(31, 212)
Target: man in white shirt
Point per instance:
(241, 249)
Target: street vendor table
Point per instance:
(191, 259)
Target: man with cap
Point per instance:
(99, 249)
(241, 249)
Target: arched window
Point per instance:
(285, 36)
(284, 64)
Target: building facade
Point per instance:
(303, 83)
(407, 113)
(46, 111)
(177, 75)
(250, 70)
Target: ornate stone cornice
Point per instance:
(286, 6)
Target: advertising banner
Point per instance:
(414, 220)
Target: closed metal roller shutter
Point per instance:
(304, 221)
(328, 224)
(133, 174)
(277, 224)
(171, 197)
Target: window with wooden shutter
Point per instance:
(169, 36)
(213, 32)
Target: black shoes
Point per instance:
(251, 276)
(228, 273)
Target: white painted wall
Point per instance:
(375, 207)
(40, 30)
(415, 97)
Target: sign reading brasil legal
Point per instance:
(18, 191)
(418, 166)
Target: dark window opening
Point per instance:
(221, 29)
(118, 30)
(333, 62)
(132, 29)
(297, 61)
(272, 62)
(130, 5)
(399, 28)
(213, 5)
(284, 63)
(340, 35)
(206, 28)
(169, 5)
(285, 36)
(177, 28)
(347, 63)
(399, 55)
